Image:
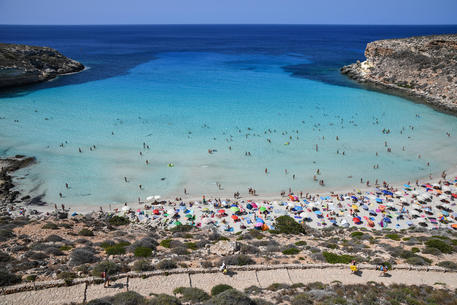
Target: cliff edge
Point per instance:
(423, 67)
(23, 64)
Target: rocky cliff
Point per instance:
(422, 67)
(22, 64)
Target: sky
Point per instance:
(228, 11)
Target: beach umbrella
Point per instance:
(298, 208)
(125, 208)
(259, 220)
(249, 206)
(254, 205)
(221, 211)
(454, 226)
(234, 217)
(189, 216)
(263, 209)
(378, 200)
(355, 198)
(235, 209)
(373, 213)
(355, 207)
(318, 212)
(156, 212)
(365, 207)
(177, 223)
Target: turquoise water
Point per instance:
(184, 90)
(182, 104)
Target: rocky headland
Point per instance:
(423, 68)
(23, 64)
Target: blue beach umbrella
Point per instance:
(378, 200)
(260, 220)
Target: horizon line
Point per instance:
(195, 24)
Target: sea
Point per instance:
(214, 110)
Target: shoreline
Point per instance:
(321, 199)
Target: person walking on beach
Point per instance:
(105, 277)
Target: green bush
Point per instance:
(356, 234)
(7, 278)
(448, 265)
(231, 297)
(238, 260)
(432, 251)
(166, 243)
(65, 248)
(116, 249)
(415, 250)
(66, 275)
(190, 245)
(393, 236)
(440, 245)
(300, 243)
(6, 234)
(287, 225)
(31, 278)
(193, 295)
(110, 267)
(219, 289)
(277, 286)
(142, 252)
(333, 258)
(164, 299)
(182, 228)
(418, 261)
(118, 221)
(142, 265)
(51, 226)
(291, 251)
(166, 264)
(127, 298)
(5, 257)
(86, 232)
(302, 299)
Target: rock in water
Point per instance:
(23, 64)
(423, 67)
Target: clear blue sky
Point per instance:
(228, 11)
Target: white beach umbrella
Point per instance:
(125, 208)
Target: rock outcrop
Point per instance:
(423, 67)
(23, 64)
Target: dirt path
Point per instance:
(240, 280)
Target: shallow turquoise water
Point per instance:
(183, 103)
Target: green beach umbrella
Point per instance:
(177, 223)
(189, 215)
(263, 209)
(234, 209)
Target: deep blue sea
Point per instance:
(260, 96)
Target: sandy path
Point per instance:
(239, 280)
